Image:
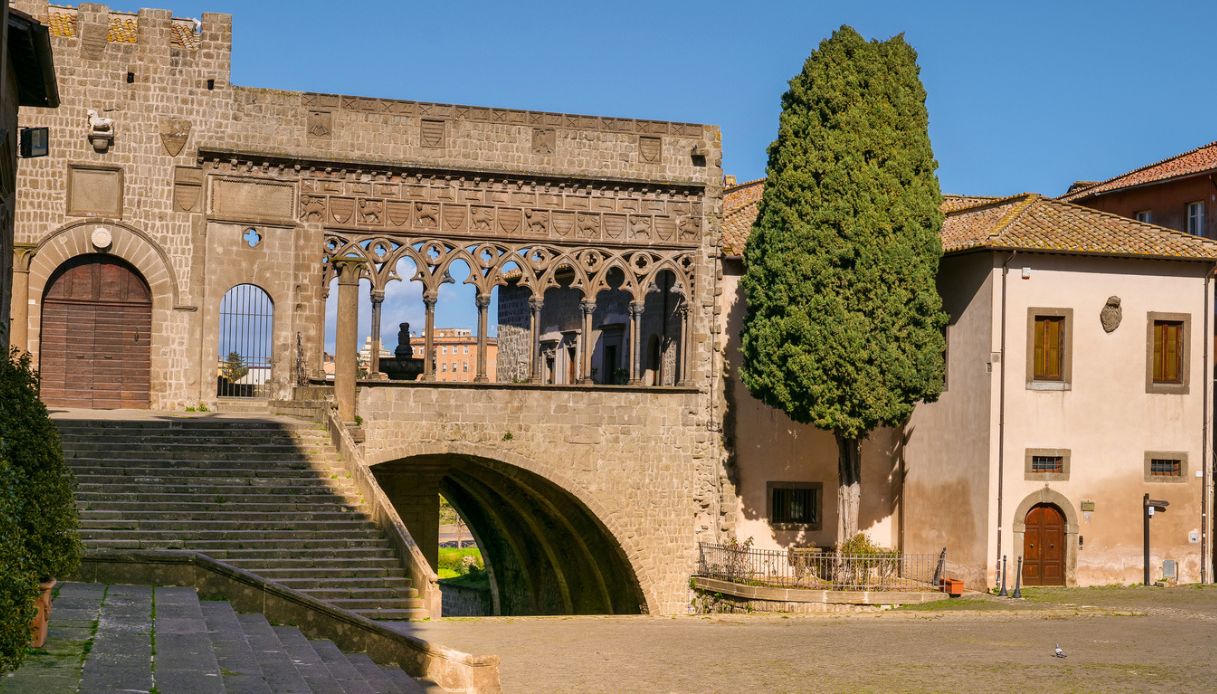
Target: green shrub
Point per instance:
(18, 584)
(29, 442)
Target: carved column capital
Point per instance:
(349, 270)
(23, 255)
(430, 299)
(587, 306)
(637, 308)
(535, 304)
(483, 301)
(378, 295)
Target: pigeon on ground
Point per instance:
(1059, 653)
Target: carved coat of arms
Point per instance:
(174, 133)
(1111, 315)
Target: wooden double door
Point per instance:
(1044, 547)
(95, 347)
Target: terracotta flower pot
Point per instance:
(952, 587)
(38, 628)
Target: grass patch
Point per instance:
(453, 559)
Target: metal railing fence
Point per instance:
(815, 569)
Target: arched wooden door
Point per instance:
(1044, 547)
(95, 346)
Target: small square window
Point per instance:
(795, 504)
(1047, 463)
(1165, 466)
(1146, 216)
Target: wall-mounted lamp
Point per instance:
(35, 142)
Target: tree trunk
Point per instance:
(849, 486)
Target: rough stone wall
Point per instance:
(8, 168)
(194, 160)
(632, 457)
(513, 334)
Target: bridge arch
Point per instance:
(548, 548)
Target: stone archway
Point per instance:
(1048, 496)
(546, 551)
(115, 240)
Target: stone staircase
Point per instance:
(164, 639)
(264, 494)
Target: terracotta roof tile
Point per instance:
(124, 28)
(1035, 223)
(1196, 161)
(1024, 222)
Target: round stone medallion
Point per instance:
(101, 238)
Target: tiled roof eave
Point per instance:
(1086, 194)
(1007, 248)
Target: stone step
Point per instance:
(190, 507)
(376, 676)
(330, 571)
(331, 561)
(277, 445)
(186, 423)
(390, 582)
(185, 657)
(307, 662)
(313, 554)
(363, 605)
(222, 487)
(208, 546)
(349, 680)
(120, 656)
(189, 527)
(134, 454)
(177, 535)
(201, 473)
(121, 484)
(277, 666)
(218, 512)
(238, 662)
(109, 463)
(309, 496)
(179, 436)
(352, 593)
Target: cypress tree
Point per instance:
(844, 323)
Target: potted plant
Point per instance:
(46, 508)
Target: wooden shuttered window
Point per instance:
(1049, 358)
(1168, 351)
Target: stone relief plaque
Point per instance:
(544, 140)
(95, 191)
(320, 124)
(431, 133)
(1111, 315)
(253, 199)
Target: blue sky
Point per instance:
(1022, 95)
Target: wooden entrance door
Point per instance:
(1044, 547)
(96, 324)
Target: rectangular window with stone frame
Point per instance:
(1049, 348)
(1165, 466)
(1046, 464)
(795, 505)
(1166, 353)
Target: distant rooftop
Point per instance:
(1197, 161)
(1027, 221)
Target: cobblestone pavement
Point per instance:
(1115, 639)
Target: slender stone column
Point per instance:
(19, 318)
(585, 358)
(686, 342)
(378, 297)
(429, 337)
(534, 329)
(346, 342)
(635, 338)
(483, 304)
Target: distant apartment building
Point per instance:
(455, 357)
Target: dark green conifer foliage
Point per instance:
(844, 328)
